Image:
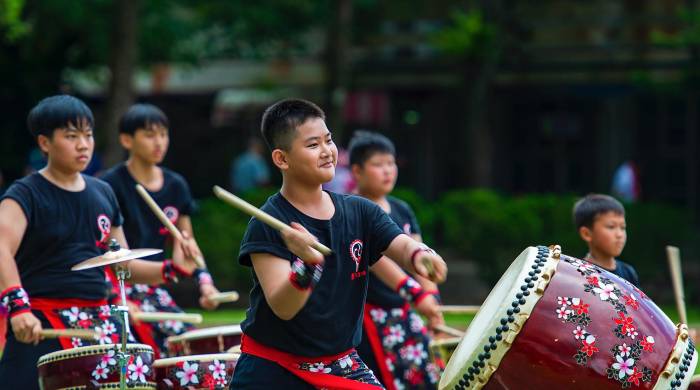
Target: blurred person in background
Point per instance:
(249, 170)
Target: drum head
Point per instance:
(89, 351)
(488, 319)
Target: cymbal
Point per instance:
(112, 257)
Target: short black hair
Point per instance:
(365, 144)
(55, 112)
(589, 207)
(142, 116)
(280, 121)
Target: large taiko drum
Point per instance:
(213, 371)
(96, 367)
(556, 322)
(217, 339)
(694, 383)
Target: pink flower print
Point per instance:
(397, 313)
(635, 376)
(71, 314)
(563, 301)
(138, 370)
(605, 291)
(175, 326)
(394, 334)
(624, 350)
(578, 306)
(378, 315)
(84, 320)
(102, 337)
(414, 353)
(592, 279)
(580, 333)
(76, 342)
(220, 382)
(631, 301)
(218, 370)
(563, 313)
(416, 323)
(589, 347)
(105, 312)
(625, 366)
(627, 324)
(346, 362)
(141, 288)
(319, 367)
(108, 358)
(100, 372)
(648, 344)
(188, 374)
(108, 327)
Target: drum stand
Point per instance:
(122, 314)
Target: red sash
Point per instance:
(292, 362)
(49, 308)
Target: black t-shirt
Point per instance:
(379, 293)
(626, 271)
(331, 320)
(63, 229)
(141, 227)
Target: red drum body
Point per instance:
(556, 322)
(694, 383)
(96, 367)
(213, 371)
(217, 339)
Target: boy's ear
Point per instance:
(585, 233)
(43, 142)
(279, 158)
(356, 171)
(127, 140)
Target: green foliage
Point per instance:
(425, 212)
(10, 19)
(468, 35)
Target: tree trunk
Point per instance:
(336, 64)
(122, 63)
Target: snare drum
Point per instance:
(96, 366)
(213, 371)
(217, 339)
(556, 322)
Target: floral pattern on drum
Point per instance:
(212, 375)
(137, 370)
(624, 358)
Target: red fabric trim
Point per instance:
(421, 297)
(375, 343)
(144, 332)
(291, 363)
(51, 303)
(7, 290)
(402, 283)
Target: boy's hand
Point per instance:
(431, 266)
(189, 246)
(182, 260)
(26, 328)
(299, 241)
(430, 308)
(206, 290)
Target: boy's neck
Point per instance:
(599, 259)
(309, 199)
(147, 174)
(380, 200)
(67, 180)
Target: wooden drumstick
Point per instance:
(228, 296)
(166, 316)
(77, 333)
(674, 263)
(459, 309)
(273, 222)
(449, 330)
(165, 220)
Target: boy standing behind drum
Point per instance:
(374, 170)
(600, 221)
(144, 132)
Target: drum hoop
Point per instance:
(683, 351)
(513, 324)
(115, 385)
(89, 351)
(166, 362)
(231, 330)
